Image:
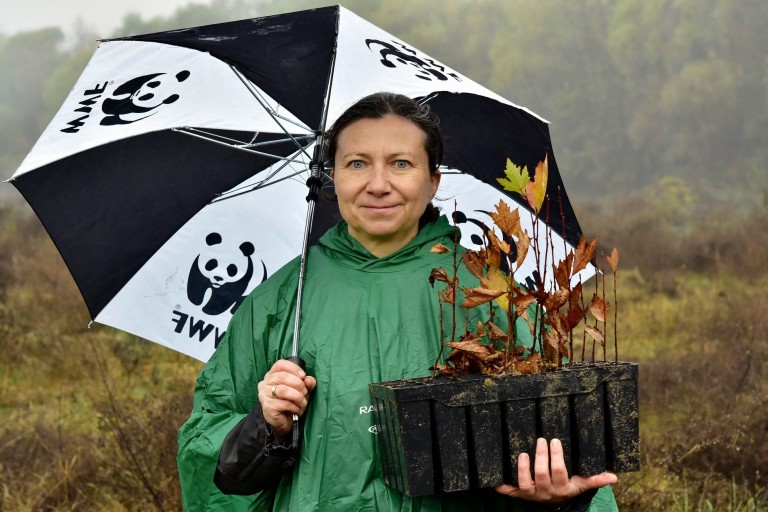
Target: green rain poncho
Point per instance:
(364, 319)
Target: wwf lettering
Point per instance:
(196, 328)
(86, 106)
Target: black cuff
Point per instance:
(251, 459)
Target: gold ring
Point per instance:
(274, 391)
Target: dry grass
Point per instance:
(88, 417)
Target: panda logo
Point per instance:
(217, 280)
(140, 97)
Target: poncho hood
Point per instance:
(341, 247)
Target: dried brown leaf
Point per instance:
(474, 263)
(449, 294)
(559, 325)
(523, 243)
(595, 334)
(522, 300)
(562, 271)
(575, 316)
(474, 297)
(472, 347)
(506, 219)
(599, 308)
(480, 329)
(585, 252)
(613, 259)
(531, 364)
(439, 249)
(495, 333)
(551, 346)
(438, 274)
(493, 256)
(556, 299)
(574, 300)
(444, 369)
(498, 243)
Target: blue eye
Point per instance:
(356, 164)
(401, 164)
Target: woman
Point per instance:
(369, 316)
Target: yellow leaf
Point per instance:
(540, 183)
(516, 178)
(497, 280)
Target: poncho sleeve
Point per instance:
(226, 392)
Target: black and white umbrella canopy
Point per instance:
(172, 179)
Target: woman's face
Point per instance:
(382, 179)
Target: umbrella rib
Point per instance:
(188, 131)
(275, 116)
(250, 188)
(241, 144)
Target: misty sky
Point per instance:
(101, 16)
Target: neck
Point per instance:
(381, 247)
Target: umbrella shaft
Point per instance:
(302, 267)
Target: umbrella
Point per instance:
(172, 179)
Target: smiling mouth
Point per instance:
(381, 207)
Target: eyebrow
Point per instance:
(367, 155)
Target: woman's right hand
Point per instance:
(284, 392)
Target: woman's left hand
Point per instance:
(551, 484)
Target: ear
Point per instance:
(435, 182)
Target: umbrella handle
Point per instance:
(295, 445)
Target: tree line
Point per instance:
(637, 91)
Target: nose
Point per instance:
(378, 181)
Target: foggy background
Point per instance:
(662, 100)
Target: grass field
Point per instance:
(88, 416)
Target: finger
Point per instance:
(541, 464)
(524, 481)
(508, 490)
(558, 471)
(310, 383)
(585, 483)
(286, 379)
(286, 393)
(283, 365)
